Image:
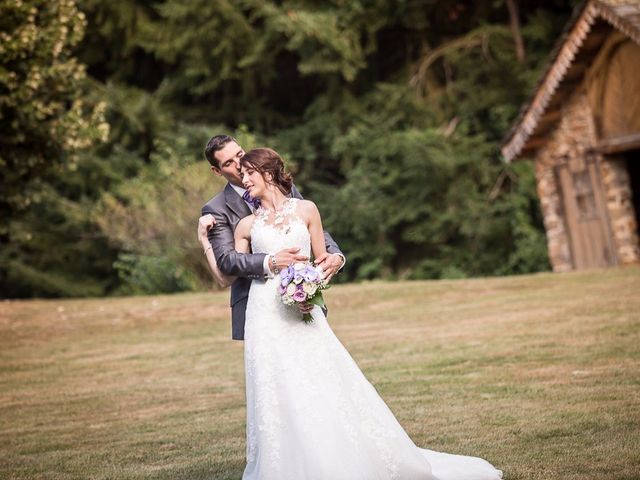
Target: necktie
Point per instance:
(254, 202)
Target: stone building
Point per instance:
(582, 127)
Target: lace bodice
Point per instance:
(273, 231)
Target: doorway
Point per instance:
(632, 158)
(590, 237)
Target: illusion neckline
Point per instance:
(282, 218)
(281, 208)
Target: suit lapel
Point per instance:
(235, 202)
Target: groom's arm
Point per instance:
(231, 262)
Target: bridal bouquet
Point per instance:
(302, 282)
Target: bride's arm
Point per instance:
(204, 224)
(311, 214)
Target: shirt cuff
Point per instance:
(265, 267)
(344, 260)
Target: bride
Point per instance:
(311, 413)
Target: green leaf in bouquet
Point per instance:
(317, 300)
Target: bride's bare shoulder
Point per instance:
(307, 206)
(307, 209)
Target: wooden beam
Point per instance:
(551, 116)
(619, 144)
(535, 142)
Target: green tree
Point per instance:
(48, 118)
(389, 112)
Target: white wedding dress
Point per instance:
(311, 413)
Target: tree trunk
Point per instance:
(515, 29)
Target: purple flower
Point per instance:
(286, 275)
(299, 295)
(281, 289)
(310, 274)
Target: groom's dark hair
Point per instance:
(217, 142)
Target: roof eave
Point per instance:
(533, 110)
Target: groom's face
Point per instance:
(228, 158)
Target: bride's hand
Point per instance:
(205, 222)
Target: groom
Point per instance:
(228, 208)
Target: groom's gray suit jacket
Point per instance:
(228, 208)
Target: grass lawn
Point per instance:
(539, 374)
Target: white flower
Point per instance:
(291, 289)
(299, 266)
(309, 288)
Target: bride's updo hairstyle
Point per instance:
(266, 160)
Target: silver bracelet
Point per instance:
(207, 249)
(276, 270)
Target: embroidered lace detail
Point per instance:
(273, 231)
(281, 219)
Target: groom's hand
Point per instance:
(331, 263)
(286, 257)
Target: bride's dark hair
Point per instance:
(265, 160)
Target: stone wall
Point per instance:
(551, 204)
(615, 178)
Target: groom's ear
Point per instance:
(216, 170)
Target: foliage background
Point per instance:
(390, 114)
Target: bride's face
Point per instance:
(253, 181)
